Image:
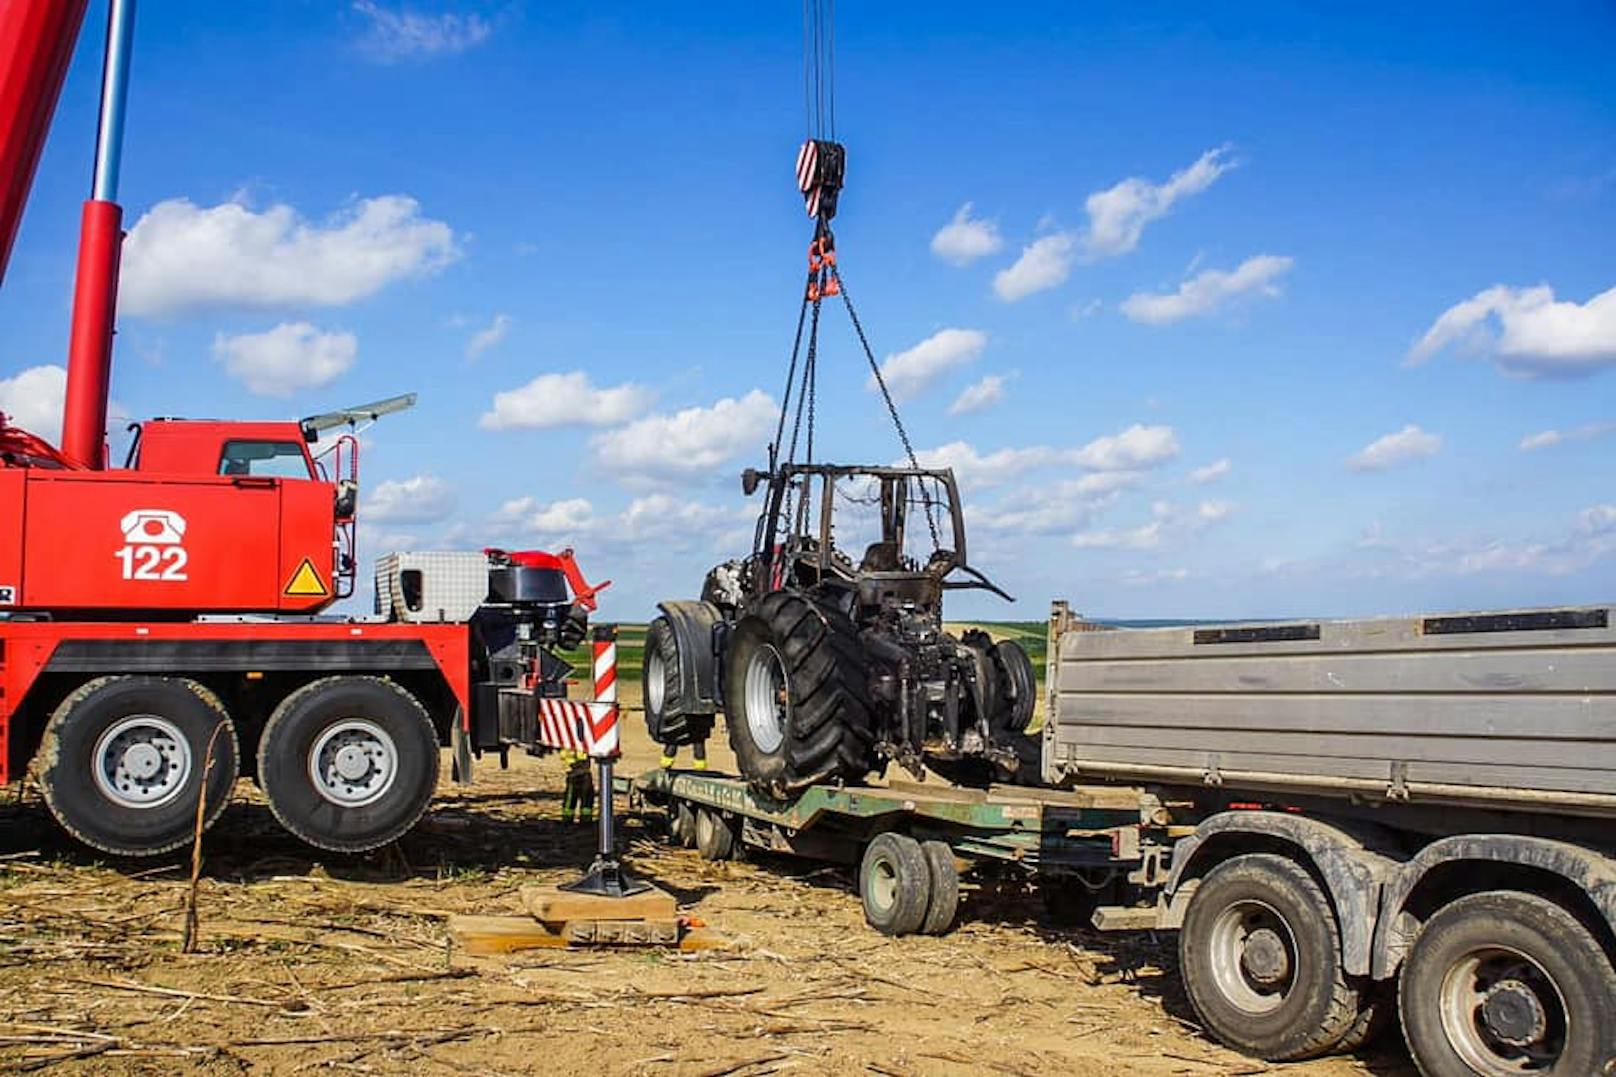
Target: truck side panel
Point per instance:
(1520, 701)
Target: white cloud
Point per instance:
(287, 358)
(1142, 578)
(1045, 263)
(664, 517)
(1598, 520)
(1212, 472)
(910, 373)
(974, 468)
(979, 395)
(180, 257)
(1135, 448)
(688, 443)
(33, 400)
(401, 34)
(423, 499)
(1405, 446)
(1547, 438)
(1118, 215)
(1042, 509)
(1528, 332)
(965, 238)
(566, 520)
(489, 336)
(1169, 525)
(570, 399)
(1208, 290)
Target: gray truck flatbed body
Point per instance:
(1511, 708)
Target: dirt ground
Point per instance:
(323, 963)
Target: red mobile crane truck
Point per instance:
(164, 614)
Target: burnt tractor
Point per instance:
(825, 648)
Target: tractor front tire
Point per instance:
(349, 763)
(124, 759)
(797, 697)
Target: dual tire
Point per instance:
(908, 887)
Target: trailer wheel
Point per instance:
(715, 837)
(349, 763)
(895, 884)
(682, 823)
(122, 762)
(942, 900)
(1261, 963)
(797, 697)
(1506, 982)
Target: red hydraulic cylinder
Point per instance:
(36, 43)
(89, 350)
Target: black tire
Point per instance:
(817, 668)
(682, 824)
(662, 689)
(1378, 1007)
(1562, 981)
(149, 738)
(942, 900)
(368, 724)
(715, 835)
(1018, 687)
(1261, 961)
(894, 884)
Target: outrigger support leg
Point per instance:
(607, 876)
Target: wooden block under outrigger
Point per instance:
(560, 918)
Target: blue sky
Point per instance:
(1190, 290)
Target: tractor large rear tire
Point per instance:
(797, 697)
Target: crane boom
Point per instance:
(36, 43)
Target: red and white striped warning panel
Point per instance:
(579, 726)
(808, 176)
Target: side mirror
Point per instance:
(749, 481)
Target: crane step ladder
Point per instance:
(607, 906)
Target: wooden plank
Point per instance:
(550, 905)
(487, 935)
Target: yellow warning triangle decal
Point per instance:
(306, 581)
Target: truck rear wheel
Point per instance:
(894, 884)
(1506, 982)
(123, 762)
(349, 763)
(798, 704)
(1261, 962)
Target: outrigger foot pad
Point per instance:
(607, 878)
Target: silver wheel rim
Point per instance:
(1502, 1013)
(656, 682)
(1253, 956)
(883, 884)
(768, 703)
(353, 763)
(142, 761)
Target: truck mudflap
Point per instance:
(1352, 873)
(1592, 872)
(698, 628)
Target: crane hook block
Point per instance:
(820, 167)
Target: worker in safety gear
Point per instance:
(578, 795)
(698, 751)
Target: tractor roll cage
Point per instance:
(772, 538)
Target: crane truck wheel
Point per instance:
(124, 759)
(1261, 961)
(1507, 982)
(349, 763)
(796, 695)
(895, 884)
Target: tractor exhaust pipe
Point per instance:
(95, 291)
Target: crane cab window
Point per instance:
(275, 459)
